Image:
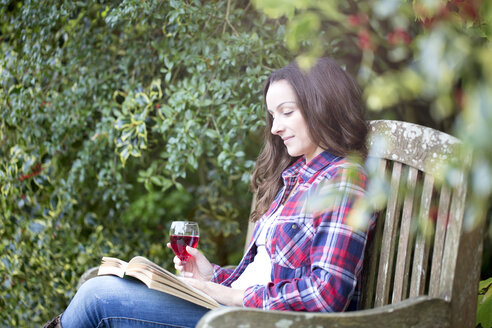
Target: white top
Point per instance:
(259, 271)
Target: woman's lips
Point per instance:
(286, 139)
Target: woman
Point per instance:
(304, 255)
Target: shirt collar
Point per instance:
(304, 171)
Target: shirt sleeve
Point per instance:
(221, 274)
(336, 253)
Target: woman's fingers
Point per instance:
(192, 262)
(176, 260)
(178, 265)
(196, 254)
(195, 283)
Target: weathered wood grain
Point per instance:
(417, 312)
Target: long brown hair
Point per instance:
(330, 101)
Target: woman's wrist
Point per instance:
(238, 297)
(229, 296)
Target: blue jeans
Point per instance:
(109, 301)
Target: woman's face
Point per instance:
(288, 123)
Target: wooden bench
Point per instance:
(415, 274)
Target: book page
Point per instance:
(185, 289)
(171, 290)
(155, 277)
(113, 266)
(162, 276)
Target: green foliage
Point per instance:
(484, 309)
(115, 119)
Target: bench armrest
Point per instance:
(421, 311)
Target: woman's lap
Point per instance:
(109, 301)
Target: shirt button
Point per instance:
(294, 226)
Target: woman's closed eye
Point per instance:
(287, 109)
(284, 110)
(286, 113)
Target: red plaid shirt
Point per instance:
(316, 254)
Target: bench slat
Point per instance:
(441, 224)
(372, 254)
(419, 269)
(389, 238)
(454, 231)
(402, 269)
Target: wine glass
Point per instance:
(182, 234)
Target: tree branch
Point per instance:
(227, 22)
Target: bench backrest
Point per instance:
(421, 244)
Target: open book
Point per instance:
(155, 277)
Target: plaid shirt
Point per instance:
(316, 254)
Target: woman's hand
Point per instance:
(197, 266)
(222, 294)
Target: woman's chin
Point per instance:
(293, 153)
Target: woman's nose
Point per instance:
(277, 126)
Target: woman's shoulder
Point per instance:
(343, 172)
(344, 165)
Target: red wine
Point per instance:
(179, 243)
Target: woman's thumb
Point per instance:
(192, 251)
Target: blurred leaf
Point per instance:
(277, 8)
(484, 308)
(303, 27)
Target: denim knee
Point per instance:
(88, 306)
(105, 300)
